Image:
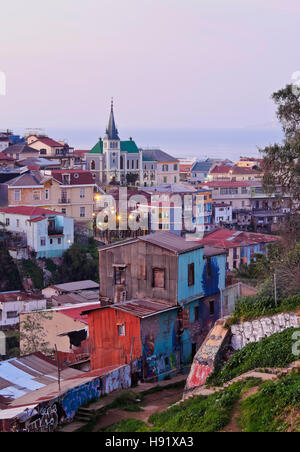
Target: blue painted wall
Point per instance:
(185, 291)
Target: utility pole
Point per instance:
(275, 289)
(58, 368)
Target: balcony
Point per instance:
(64, 200)
(57, 230)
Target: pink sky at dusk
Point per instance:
(167, 63)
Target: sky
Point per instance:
(168, 64)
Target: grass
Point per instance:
(274, 351)
(249, 308)
(200, 414)
(128, 401)
(275, 408)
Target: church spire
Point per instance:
(112, 131)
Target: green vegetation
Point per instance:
(248, 308)
(275, 408)
(10, 277)
(128, 401)
(273, 351)
(79, 263)
(31, 270)
(33, 334)
(200, 414)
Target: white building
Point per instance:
(12, 304)
(222, 213)
(46, 232)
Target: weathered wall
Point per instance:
(47, 416)
(207, 356)
(106, 347)
(256, 330)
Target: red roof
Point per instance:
(5, 157)
(28, 211)
(77, 177)
(75, 313)
(226, 169)
(223, 238)
(185, 168)
(49, 142)
(80, 153)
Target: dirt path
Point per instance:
(233, 426)
(155, 402)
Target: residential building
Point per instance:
(222, 213)
(113, 161)
(76, 287)
(6, 161)
(241, 246)
(12, 304)
(47, 233)
(234, 173)
(21, 151)
(49, 148)
(167, 168)
(250, 162)
(160, 297)
(237, 194)
(200, 171)
(70, 192)
(8, 138)
(73, 194)
(63, 327)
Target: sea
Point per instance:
(182, 143)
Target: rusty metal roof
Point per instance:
(145, 307)
(171, 242)
(20, 376)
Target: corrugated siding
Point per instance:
(106, 347)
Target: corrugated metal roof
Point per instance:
(143, 307)
(77, 285)
(225, 238)
(19, 376)
(171, 242)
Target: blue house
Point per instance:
(184, 277)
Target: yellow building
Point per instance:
(67, 191)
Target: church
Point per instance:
(112, 161)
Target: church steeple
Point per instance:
(112, 131)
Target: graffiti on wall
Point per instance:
(77, 397)
(47, 416)
(199, 375)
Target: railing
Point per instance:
(64, 201)
(56, 231)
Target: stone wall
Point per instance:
(256, 330)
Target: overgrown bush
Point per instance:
(273, 351)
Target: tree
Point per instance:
(10, 277)
(33, 333)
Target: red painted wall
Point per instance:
(106, 347)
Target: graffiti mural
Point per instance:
(77, 397)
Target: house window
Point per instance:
(211, 307)
(175, 167)
(18, 223)
(191, 274)
(47, 194)
(127, 164)
(165, 180)
(7, 222)
(175, 179)
(17, 195)
(82, 212)
(64, 210)
(121, 330)
(36, 195)
(93, 165)
(43, 241)
(12, 314)
(82, 193)
(120, 275)
(158, 278)
(51, 241)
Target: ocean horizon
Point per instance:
(188, 143)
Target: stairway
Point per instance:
(85, 415)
